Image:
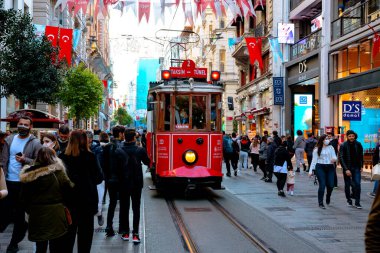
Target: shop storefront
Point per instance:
(360, 111)
(302, 103)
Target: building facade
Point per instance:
(354, 73)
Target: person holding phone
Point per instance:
(18, 150)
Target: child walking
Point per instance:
(290, 181)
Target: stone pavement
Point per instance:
(339, 228)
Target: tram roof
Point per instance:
(184, 86)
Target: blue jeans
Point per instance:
(325, 174)
(375, 186)
(354, 180)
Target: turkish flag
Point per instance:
(65, 44)
(51, 32)
(105, 84)
(80, 5)
(144, 9)
(254, 50)
(375, 45)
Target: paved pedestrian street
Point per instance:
(337, 229)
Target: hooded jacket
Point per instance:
(42, 195)
(299, 143)
(30, 151)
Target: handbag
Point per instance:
(376, 172)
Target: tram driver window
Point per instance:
(199, 112)
(182, 112)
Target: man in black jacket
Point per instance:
(111, 175)
(351, 159)
(129, 158)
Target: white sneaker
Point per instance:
(291, 193)
(250, 167)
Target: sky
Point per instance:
(128, 43)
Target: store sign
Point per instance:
(278, 91)
(316, 23)
(352, 110)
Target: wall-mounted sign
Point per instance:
(352, 110)
(278, 91)
(316, 23)
(303, 112)
(285, 33)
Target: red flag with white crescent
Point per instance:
(65, 44)
(51, 32)
(144, 9)
(375, 45)
(254, 50)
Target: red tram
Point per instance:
(184, 139)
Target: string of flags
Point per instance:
(192, 9)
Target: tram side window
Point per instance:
(167, 112)
(199, 112)
(213, 112)
(182, 112)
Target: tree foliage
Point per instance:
(122, 117)
(82, 92)
(27, 70)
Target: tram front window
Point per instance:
(182, 120)
(199, 112)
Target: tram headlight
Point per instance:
(190, 157)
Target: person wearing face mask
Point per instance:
(323, 161)
(19, 150)
(50, 141)
(63, 137)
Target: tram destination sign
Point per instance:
(352, 110)
(188, 70)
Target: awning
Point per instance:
(241, 117)
(260, 5)
(40, 119)
(260, 111)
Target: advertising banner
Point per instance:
(285, 33)
(303, 112)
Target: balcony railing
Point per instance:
(295, 3)
(354, 18)
(306, 45)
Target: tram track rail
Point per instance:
(190, 244)
(238, 225)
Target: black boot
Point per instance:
(298, 170)
(304, 167)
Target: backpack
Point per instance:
(235, 146)
(129, 171)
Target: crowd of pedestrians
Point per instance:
(54, 187)
(273, 154)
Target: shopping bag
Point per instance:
(376, 172)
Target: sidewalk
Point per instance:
(337, 229)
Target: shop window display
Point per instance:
(369, 126)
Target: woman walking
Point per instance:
(263, 156)
(254, 152)
(50, 141)
(323, 161)
(244, 144)
(281, 164)
(42, 195)
(83, 170)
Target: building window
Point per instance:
(265, 63)
(222, 59)
(242, 78)
(221, 23)
(354, 59)
(252, 72)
